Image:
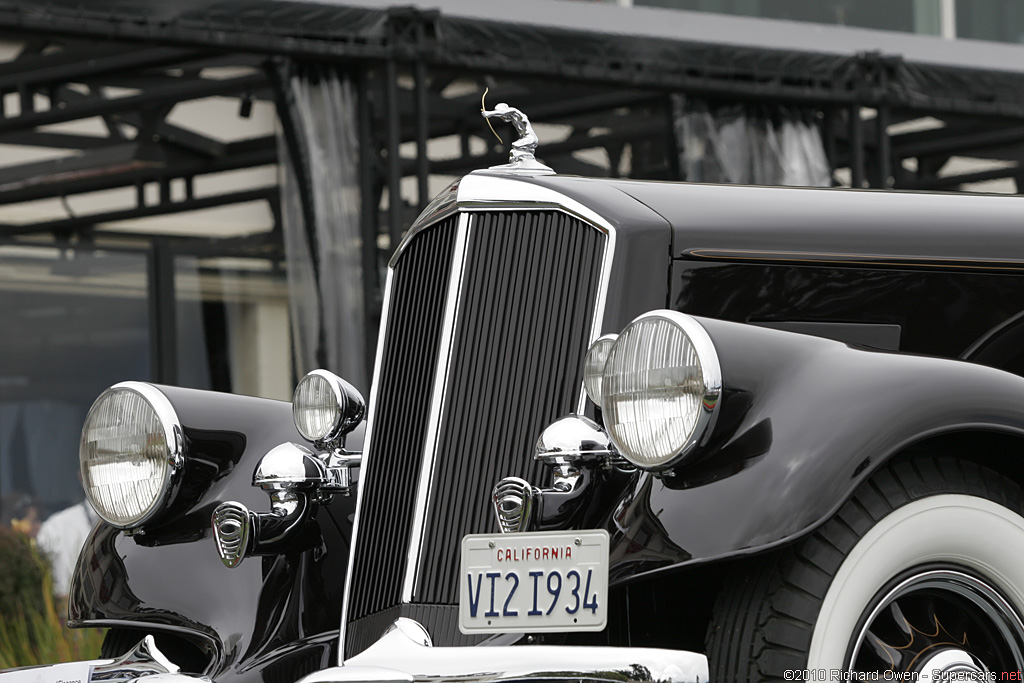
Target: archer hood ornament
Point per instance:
(521, 157)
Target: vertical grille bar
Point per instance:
(408, 365)
(530, 286)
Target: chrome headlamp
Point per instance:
(131, 448)
(659, 387)
(593, 367)
(326, 408)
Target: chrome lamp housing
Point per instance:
(658, 385)
(290, 467)
(131, 454)
(574, 439)
(326, 408)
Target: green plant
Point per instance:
(24, 572)
(31, 632)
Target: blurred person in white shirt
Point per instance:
(61, 538)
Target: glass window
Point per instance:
(77, 320)
(232, 326)
(74, 322)
(893, 15)
(1001, 20)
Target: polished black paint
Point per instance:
(803, 422)
(274, 614)
(811, 224)
(1001, 347)
(743, 224)
(937, 312)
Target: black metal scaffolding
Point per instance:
(889, 118)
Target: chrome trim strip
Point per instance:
(602, 298)
(451, 310)
(366, 462)
(405, 655)
(481, 191)
(168, 418)
(439, 208)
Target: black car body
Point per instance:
(870, 346)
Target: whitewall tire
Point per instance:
(921, 571)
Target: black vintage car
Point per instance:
(618, 431)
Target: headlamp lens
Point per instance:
(593, 367)
(125, 457)
(660, 386)
(315, 407)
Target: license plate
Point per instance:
(534, 582)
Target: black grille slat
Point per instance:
(408, 370)
(365, 631)
(531, 280)
(530, 286)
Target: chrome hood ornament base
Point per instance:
(521, 158)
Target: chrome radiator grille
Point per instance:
(528, 289)
(408, 366)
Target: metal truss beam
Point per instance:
(176, 135)
(36, 138)
(961, 140)
(413, 36)
(77, 223)
(106, 160)
(564, 103)
(162, 95)
(983, 137)
(570, 165)
(554, 149)
(75, 63)
(955, 181)
(144, 123)
(111, 170)
(408, 46)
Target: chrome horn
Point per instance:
(513, 504)
(293, 477)
(573, 446)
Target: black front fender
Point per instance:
(803, 421)
(169, 580)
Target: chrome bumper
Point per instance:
(144, 660)
(405, 655)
